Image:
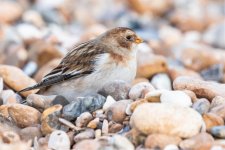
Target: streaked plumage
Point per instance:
(90, 65)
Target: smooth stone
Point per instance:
(105, 127)
(154, 96)
(202, 106)
(30, 133)
(212, 120)
(16, 79)
(213, 73)
(204, 89)
(120, 142)
(166, 119)
(117, 111)
(50, 120)
(217, 101)
(196, 141)
(1, 84)
(83, 104)
(24, 116)
(87, 144)
(191, 94)
(118, 89)
(156, 140)
(42, 52)
(59, 100)
(98, 133)
(219, 110)
(10, 137)
(87, 134)
(83, 119)
(59, 140)
(139, 90)
(94, 123)
(161, 81)
(109, 101)
(8, 96)
(175, 97)
(40, 102)
(10, 11)
(218, 131)
(149, 64)
(114, 127)
(171, 147)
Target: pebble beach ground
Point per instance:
(176, 102)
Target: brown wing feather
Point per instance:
(78, 62)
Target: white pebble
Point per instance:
(176, 97)
(171, 147)
(59, 140)
(161, 81)
(1, 84)
(109, 101)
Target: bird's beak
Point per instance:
(138, 40)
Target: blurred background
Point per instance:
(182, 36)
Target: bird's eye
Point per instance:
(129, 37)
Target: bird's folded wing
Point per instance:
(80, 61)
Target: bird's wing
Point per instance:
(80, 61)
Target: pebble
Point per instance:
(94, 123)
(218, 131)
(8, 96)
(153, 96)
(16, 79)
(59, 140)
(161, 81)
(87, 144)
(87, 134)
(1, 85)
(212, 120)
(83, 104)
(217, 101)
(117, 111)
(50, 119)
(118, 89)
(42, 52)
(186, 122)
(83, 119)
(109, 101)
(201, 105)
(114, 127)
(175, 97)
(214, 35)
(98, 133)
(24, 116)
(204, 89)
(140, 89)
(213, 73)
(171, 147)
(156, 140)
(196, 141)
(219, 110)
(40, 102)
(191, 94)
(30, 133)
(149, 64)
(10, 11)
(10, 137)
(175, 72)
(121, 143)
(105, 127)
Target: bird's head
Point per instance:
(120, 40)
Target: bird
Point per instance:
(90, 65)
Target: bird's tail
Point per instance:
(28, 88)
